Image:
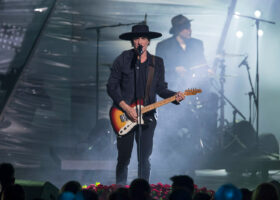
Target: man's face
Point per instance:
(141, 41)
(185, 33)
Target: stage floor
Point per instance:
(211, 179)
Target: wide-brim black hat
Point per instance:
(140, 30)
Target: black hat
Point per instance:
(139, 31)
(179, 22)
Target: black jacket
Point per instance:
(121, 83)
(174, 56)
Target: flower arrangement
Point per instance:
(159, 191)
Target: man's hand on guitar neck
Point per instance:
(131, 112)
(180, 96)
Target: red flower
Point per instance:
(159, 191)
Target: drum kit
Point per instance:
(212, 135)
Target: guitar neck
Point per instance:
(168, 100)
(158, 104)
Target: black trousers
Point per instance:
(125, 146)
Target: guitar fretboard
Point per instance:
(168, 100)
(158, 104)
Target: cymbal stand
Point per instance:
(222, 81)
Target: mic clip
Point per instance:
(243, 62)
(140, 49)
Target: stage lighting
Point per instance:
(239, 34)
(41, 9)
(257, 14)
(260, 32)
(236, 15)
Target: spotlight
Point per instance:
(239, 34)
(257, 14)
(40, 9)
(236, 15)
(260, 32)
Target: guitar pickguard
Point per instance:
(129, 125)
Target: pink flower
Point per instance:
(160, 184)
(203, 189)
(159, 191)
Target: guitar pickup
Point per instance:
(123, 118)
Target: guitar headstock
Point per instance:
(193, 91)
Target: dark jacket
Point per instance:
(121, 83)
(174, 56)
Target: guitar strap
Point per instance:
(151, 71)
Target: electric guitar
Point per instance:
(122, 124)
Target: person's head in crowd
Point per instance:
(13, 192)
(265, 191)
(71, 186)
(180, 194)
(228, 192)
(246, 194)
(201, 196)
(89, 194)
(182, 182)
(7, 174)
(139, 189)
(119, 194)
(67, 196)
(276, 185)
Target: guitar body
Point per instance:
(121, 123)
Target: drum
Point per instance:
(240, 139)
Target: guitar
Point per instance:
(122, 124)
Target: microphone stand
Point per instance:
(250, 106)
(252, 92)
(257, 21)
(98, 28)
(139, 112)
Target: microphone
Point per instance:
(140, 49)
(243, 62)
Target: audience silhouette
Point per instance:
(140, 189)
(182, 188)
(7, 176)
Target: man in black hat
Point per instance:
(181, 53)
(128, 82)
(186, 67)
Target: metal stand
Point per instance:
(222, 92)
(223, 100)
(252, 92)
(220, 63)
(257, 21)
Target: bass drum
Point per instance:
(240, 139)
(268, 145)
